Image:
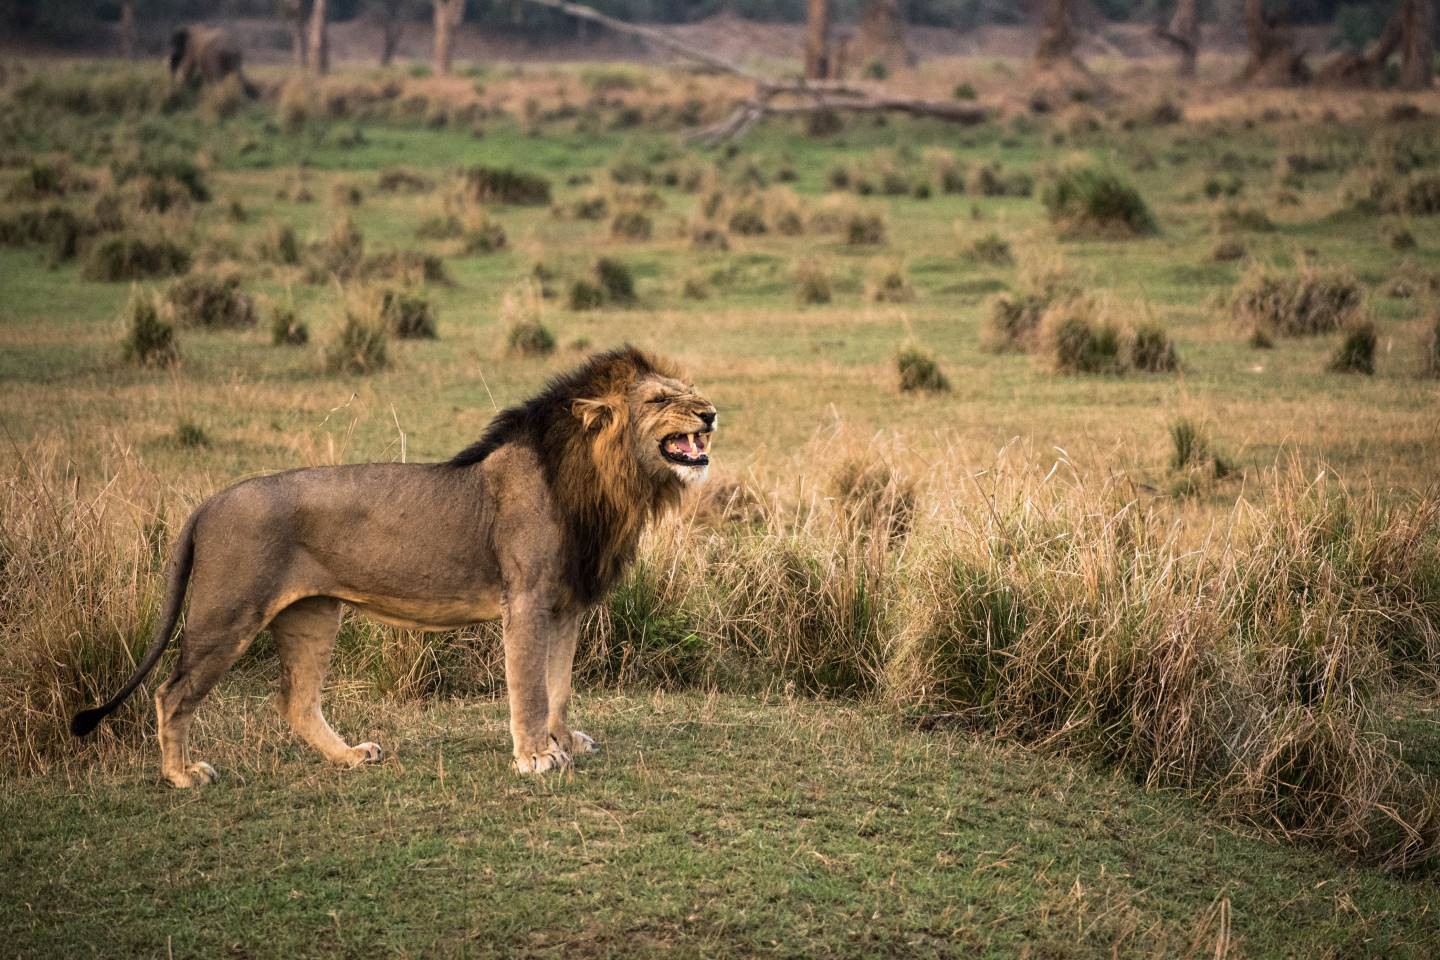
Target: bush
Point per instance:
(127, 257)
(585, 295)
(500, 185)
(747, 220)
(190, 434)
(150, 341)
(631, 225)
(1305, 302)
(993, 249)
(214, 302)
(483, 235)
(406, 266)
(889, 285)
(616, 280)
(360, 346)
(1152, 350)
(1013, 321)
(167, 169)
(530, 338)
(286, 327)
(1191, 449)
(403, 180)
(919, 371)
(1430, 349)
(341, 253)
(408, 315)
(1227, 250)
(1236, 218)
(707, 236)
(1080, 342)
(865, 229)
(1084, 200)
(812, 283)
(1356, 353)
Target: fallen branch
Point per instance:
(822, 96)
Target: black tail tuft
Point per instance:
(87, 720)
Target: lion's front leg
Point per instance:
(529, 627)
(560, 662)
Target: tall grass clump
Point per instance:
(150, 336)
(1356, 353)
(286, 327)
(1302, 302)
(812, 282)
(361, 345)
(1091, 201)
(129, 257)
(919, 370)
(1081, 339)
(1191, 449)
(1152, 350)
(210, 301)
(482, 184)
(1012, 321)
(408, 314)
(1430, 349)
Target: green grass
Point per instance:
(711, 826)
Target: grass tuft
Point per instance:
(1356, 352)
(150, 338)
(1091, 201)
(919, 371)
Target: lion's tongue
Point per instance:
(685, 445)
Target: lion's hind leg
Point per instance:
(304, 635)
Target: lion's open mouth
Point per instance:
(687, 449)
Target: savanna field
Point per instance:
(1067, 583)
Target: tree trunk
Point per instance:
(319, 38)
(390, 33)
(1273, 57)
(881, 38)
(1183, 32)
(447, 16)
(817, 40)
(127, 30)
(1057, 34)
(1417, 43)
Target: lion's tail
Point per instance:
(177, 580)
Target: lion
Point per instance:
(532, 524)
(206, 55)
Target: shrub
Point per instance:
(1356, 353)
(165, 169)
(812, 282)
(286, 327)
(1013, 321)
(1152, 350)
(616, 280)
(865, 229)
(707, 236)
(1235, 218)
(127, 257)
(631, 225)
(1080, 342)
(1399, 238)
(191, 434)
(529, 338)
(747, 220)
(965, 90)
(410, 267)
(408, 315)
(1227, 250)
(214, 302)
(360, 345)
(585, 295)
(889, 285)
(403, 180)
(347, 195)
(1422, 196)
(919, 371)
(1085, 200)
(150, 340)
(993, 249)
(483, 235)
(1307, 301)
(1430, 349)
(1190, 449)
(341, 253)
(501, 185)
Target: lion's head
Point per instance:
(619, 437)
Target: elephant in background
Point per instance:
(206, 55)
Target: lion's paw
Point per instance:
(366, 752)
(553, 758)
(582, 742)
(196, 775)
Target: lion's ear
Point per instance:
(593, 414)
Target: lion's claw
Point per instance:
(553, 758)
(367, 752)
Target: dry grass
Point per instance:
(1060, 611)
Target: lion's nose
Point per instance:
(707, 418)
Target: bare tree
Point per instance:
(1273, 57)
(448, 14)
(817, 40)
(319, 38)
(1183, 32)
(1408, 33)
(127, 29)
(1057, 34)
(391, 16)
(881, 37)
(293, 12)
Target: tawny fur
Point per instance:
(532, 525)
